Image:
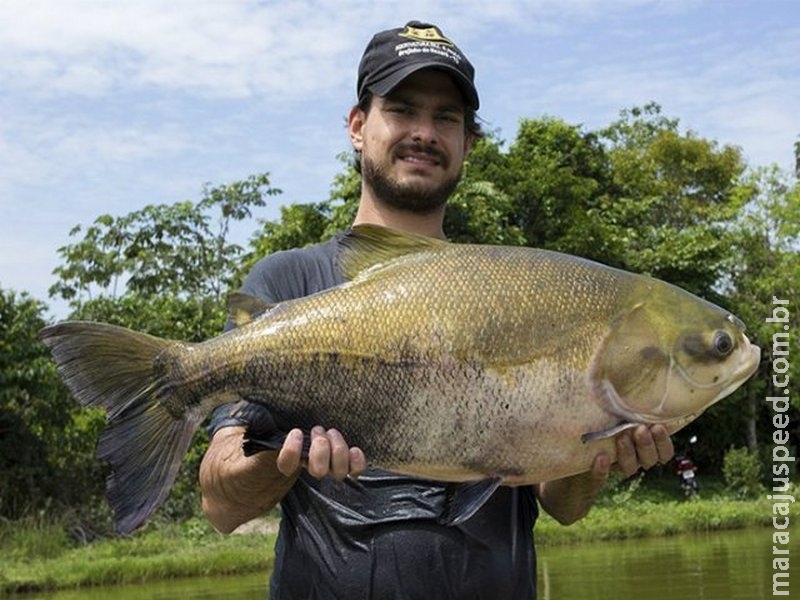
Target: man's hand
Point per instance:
(329, 455)
(570, 499)
(644, 447)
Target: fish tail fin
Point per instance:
(144, 442)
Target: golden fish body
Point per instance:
(445, 361)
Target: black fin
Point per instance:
(113, 368)
(254, 443)
(465, 499)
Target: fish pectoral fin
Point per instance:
(255, 442)
(465, 499)
(607, 433)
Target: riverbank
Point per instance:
(38, 556)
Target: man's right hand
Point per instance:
(329, 454)
(236, 488)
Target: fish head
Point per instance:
(669, 356)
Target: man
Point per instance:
(348, 531)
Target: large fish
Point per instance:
(487, 365)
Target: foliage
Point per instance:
(177, 250)
(640, 194)
(45, 441)
(38, 557)
(742, 472)
(163, 270)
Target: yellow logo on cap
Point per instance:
(429, 34)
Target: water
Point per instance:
(733, 565)
(717, 566)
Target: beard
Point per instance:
(416, 197)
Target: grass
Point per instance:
(634, 511)
(188, 550)
(38, 553)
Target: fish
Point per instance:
(473, 365)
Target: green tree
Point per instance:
(163, 269)
(178, 249)
(673, 195)
(46, 444)
(764, 264)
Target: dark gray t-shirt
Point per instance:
(378, 537)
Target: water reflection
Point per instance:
(237, 587)
(718, 566)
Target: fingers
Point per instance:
(358, 462)
(664, 446)
(601, 467)
(291, 454)
(644, 448)
(329, 454)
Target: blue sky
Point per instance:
(108, 106)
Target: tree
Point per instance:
(177, 249)
(46, 444)
(764, 264)
(672, 196)
(163, 269)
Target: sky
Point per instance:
(106, 107)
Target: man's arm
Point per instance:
(236, 488)
(570, 499)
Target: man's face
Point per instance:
(413, 142)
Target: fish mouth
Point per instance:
(747, 366)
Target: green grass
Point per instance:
(170, 551)
(39, 554)
(633, 511)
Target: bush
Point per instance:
(741, 469)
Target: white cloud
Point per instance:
(109, 105)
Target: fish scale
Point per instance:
(482, 365)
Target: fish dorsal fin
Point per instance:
(243, 308)
(366, 246)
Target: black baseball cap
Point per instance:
(394, 54)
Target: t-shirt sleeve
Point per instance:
(269, 281)
(281, 276)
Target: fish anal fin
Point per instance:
(255, 442)
(465, 499)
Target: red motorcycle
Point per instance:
(687, 472)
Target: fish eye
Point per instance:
(723, 343)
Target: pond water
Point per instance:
(733, 565)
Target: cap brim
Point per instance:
(387, 84)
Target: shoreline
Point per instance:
(193, 549)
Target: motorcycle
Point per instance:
(687, 472)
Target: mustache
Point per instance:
(421, 148)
